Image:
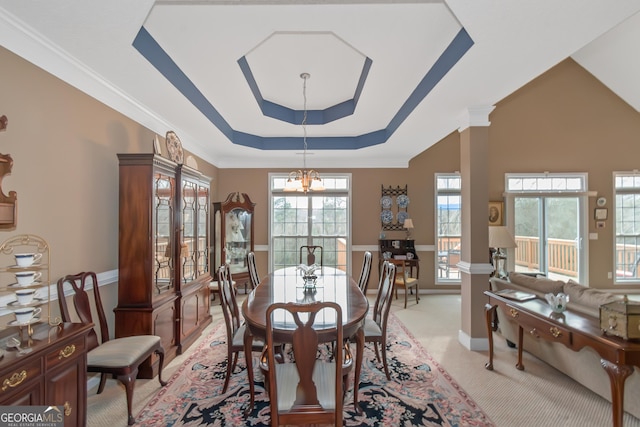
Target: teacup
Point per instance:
(25, 278)
(25, 296)
(26, 315)
(27, 259)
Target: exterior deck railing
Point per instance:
(563, 256)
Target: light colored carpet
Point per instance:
(538, 396)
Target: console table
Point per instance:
(572, 329)
(52, 370)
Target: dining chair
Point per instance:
(363, 282)
(118, 357)
(405, 280)
(305, 389)
(254, 277)
(375, 327)
(308, 254)
(235, 327)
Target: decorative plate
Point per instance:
(174, 146)
(402, 200)
(386, 202)
(386, 216)
(401, 217)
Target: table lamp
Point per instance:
(500, 238)
(408, 225)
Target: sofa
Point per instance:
(584, 365)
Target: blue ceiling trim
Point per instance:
(314, 117)
(149, 48)
(457, 48)
(313, 143)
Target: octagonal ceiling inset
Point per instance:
(274, 64)
(406, 65)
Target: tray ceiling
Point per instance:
(388, 79)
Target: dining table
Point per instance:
(288, 285)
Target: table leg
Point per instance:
(489, 311)
(617, 375)
(519, 365)
(356, 377)
(248, 356)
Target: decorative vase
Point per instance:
(558, 303)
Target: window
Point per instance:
(627, 226)
(316, 218)
(548, 213)
(448, 227)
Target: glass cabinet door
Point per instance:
(232, 238)
(188, 246)
(202, 255)
(164, 187)
(237, 239)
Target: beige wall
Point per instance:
(64, 146)
(65, 171)
(567, 121)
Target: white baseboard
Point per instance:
(473, 344)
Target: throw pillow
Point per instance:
(589, 297)
(539, 284)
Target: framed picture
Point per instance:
(600, 214)
(495, 213)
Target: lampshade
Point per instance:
(500, 237)
(408, 225)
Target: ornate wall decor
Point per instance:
(394, 204)
(174, 147)
(8, 204)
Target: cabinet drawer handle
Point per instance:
(68, 351)
(555, 332)
(513, 312)
(534, 333)
(15, 380)
(67, 408)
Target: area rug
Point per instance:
(420, 393)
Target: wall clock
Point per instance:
(601, 201)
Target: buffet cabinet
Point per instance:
(163, 256)
(233, 235)
(53, 372)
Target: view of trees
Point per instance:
(562, 217)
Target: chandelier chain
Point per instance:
(304, 76)
(304, 180)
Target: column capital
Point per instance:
(476, 116)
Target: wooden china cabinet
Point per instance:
(233, 235)
(163, 256)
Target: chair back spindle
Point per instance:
(363, 282)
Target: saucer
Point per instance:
(16, 266)
(36, 301)
(30, 322)
(18, 285)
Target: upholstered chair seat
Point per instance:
(121, 352)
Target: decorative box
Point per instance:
(621, 319)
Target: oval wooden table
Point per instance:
(286, 285)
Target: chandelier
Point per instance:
(304, 180)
